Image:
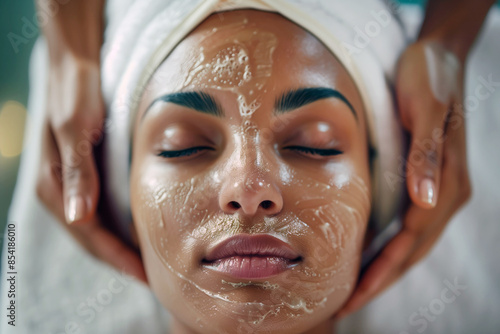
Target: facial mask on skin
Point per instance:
(229, 66)
(299, 292)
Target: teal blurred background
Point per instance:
(14, 14)
(18, 25)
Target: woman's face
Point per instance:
(250, 180)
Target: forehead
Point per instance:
(248, 52)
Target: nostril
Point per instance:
(266, 204)
(235, 205)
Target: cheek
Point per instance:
(168, 211)
(334, 216)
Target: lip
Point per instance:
(247, 256)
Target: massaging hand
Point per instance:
(68, 181)
(429, 94)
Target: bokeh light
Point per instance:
(12, 121)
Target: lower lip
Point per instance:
(251, 267)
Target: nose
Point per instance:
(250, 194)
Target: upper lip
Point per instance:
(256, 245)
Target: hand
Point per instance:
(429, 94)
(68, 182)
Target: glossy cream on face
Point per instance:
(240, 61)
(179, 216)
(319, 214)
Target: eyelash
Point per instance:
(182, 153)
(316, 151)
(192, 150)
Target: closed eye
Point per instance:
(183, 153)
(307, 150)
(315, 151)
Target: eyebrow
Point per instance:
(297, 98)
(198, 101)
(288, 101)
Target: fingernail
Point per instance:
(427, 191)
(76, 209)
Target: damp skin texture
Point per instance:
(249, 177)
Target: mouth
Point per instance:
(247, 256)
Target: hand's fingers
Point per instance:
(77, 128)
(455, 154)
(422, 228)
(456, 191)
(80, 183)
(98, 241)
(455, 184)
(423, 105)
(49, 182)
(424, 163)
(76, 138)
(434, 171)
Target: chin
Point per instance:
(207, 301)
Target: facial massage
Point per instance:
(256, 166)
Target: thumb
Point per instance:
(426, 153)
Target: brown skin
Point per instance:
(183, 206)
